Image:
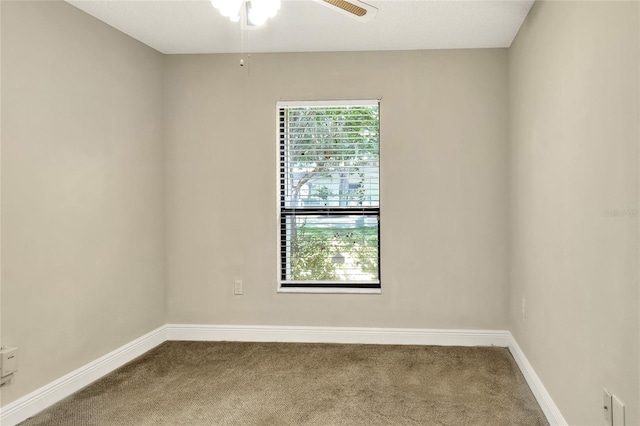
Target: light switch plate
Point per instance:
(618, 412)
(607, 407)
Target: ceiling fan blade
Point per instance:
(349, 7)
(353, 8)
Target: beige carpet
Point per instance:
(221, 383)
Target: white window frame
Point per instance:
(308, 285)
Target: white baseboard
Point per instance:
(48, 395)
(549, 408)
(55, 391)
(381, 336)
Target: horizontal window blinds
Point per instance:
(330, 157)
(329, 194)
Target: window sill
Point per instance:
(319, 290)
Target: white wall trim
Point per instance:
(48, 395)
(382, 336)
(549, 408)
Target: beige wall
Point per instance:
(574, 93)
(82, 190)
(474, 217)
(443, 186)
(0, 182)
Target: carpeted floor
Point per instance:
(224, 383)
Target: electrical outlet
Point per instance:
(237, 287)
(618, 412)
(8, 361)
(607, 407)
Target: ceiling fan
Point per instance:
(254, 13)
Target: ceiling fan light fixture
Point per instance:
(228, 8)
(256, 11)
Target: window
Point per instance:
(329, 208)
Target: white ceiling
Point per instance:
(187, 26)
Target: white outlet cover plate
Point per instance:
(607, 407)
(9, 362)
(237, 287)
